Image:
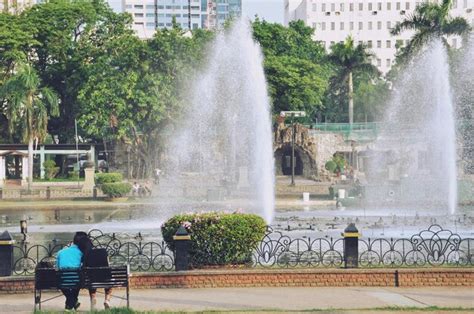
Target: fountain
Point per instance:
(413, 161)
(222, 149)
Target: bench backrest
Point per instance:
(87, 277)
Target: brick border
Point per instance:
(281, 278)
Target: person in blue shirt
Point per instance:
(70, 258)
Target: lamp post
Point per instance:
(293, 115)
(24, 229)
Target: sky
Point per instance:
(270, 10)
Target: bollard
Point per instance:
(351, 246)
(6, 254)
(48, 193)
(182, 244)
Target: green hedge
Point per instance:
(112, 177)
(116, 189)
(218, 238)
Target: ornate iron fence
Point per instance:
(432, 247)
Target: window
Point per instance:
(399, 43)
(407, 6)
(455, 4)
(323, 7)
(351, 7)
(341, 7)
(342, 26)
(138, 14)
(398, 6)
(379, 62)
(361, 6)
(379, 6)
(389, 25)
(389, 6)
(150, 25)
(388, 62)
(465, 4)
(360, 26)
(370, 6)
(332, 43)
(351, 26)
(379, 25)
(128, 6)
(333, 26)
(370, 25)
(314, 7)
(360, 42)
(369, 44)
(150, 14)
(150, 6)
(389, 44)
(333, 7)
(138, 6)
(379, 44)
(314, 25)
(323, 26)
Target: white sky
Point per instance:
(269, 10)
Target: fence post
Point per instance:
(351, 246)
(182, 243)
(6, 254)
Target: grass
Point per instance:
(373, 310)
(58, 180)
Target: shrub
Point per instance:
(112, 177)
(331, 166)
(50, 169)
(218, 238)
(116, 189)
(73, 175)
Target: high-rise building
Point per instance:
(16, 6)
(368, 22)
(149, 15)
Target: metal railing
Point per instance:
(433, 247)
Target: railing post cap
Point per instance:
(6, 238)
(182, 234)
(351, 231)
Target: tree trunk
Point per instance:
(30, 164)
(351, 99)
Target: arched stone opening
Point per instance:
(303, 163)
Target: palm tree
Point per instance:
(349, 59)
(430, 20)
(27, 108)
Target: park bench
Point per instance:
(83, 278)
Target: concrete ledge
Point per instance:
(421, 277)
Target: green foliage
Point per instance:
(50, 169)
(111, 177)
(330, 166)
(295, 68)
(73, 175)
(218, 238)
(116, 189)
(340, 162)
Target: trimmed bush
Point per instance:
(50, 169)
(116, 189)
(218, 238)
(331, 166)
(73, 175)
(112, 177)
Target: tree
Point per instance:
(295, 67)
(28, 108)
(349, 58)
(430, 20)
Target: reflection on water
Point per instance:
(45, 225)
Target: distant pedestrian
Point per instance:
(157, 175)
(136, 189)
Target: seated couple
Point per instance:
(82, 253)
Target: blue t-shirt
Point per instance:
(69, 257)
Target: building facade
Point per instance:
(368, 22)
(150, 15)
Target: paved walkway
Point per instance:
(275, 299)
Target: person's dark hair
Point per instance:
(78, 236)
(86, 246)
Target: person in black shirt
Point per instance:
(95, 257)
